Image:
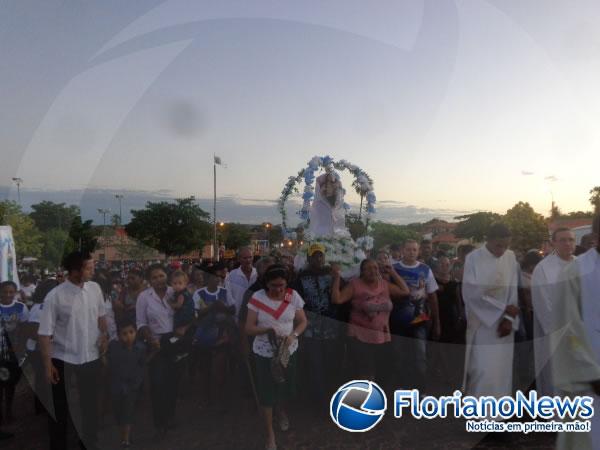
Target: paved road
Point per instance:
(240, 428)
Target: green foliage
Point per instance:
(387, 233)
(172, 228)
(474, 226)
(28, 240)
(56, 243)
(275, 234)
(528, 228)
(355, 225)
(83, 235)
(595, 198)
(115, 220)
(49, 215)
(555, 212)
(235, 235)
(358, 189)
(577, 215)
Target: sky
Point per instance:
(450, 106)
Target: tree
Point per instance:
(355, 225)
(528, 228)
(28, 240)
(359, 191)
(388, 233)
(235, 235)
(595, 198)
(578, 215)
(115, 220)
(275, 235)
(83, 235)
(474, 226)
(172, 228)
(56, 243)
(555, 212)
(48, 215)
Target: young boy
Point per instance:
(127, 360)
(216, 329)
(215, 317)
(13, 315)
(183, 305)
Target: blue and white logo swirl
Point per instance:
(358, 406)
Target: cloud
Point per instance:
(229, 209)
(551, 178)
(526, 173)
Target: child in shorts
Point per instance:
(127, 361)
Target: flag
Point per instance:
(218, 160)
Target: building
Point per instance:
(119, 246)
(441, 234)
(438, 226)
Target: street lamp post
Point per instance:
(268, 229)
(18, 182)
(119, 197)
(104, 212)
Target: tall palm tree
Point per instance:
(359, 191)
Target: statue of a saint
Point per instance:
(327, 216)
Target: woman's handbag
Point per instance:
(280, 359)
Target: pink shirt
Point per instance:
(370, 313)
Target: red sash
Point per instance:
(276, 313)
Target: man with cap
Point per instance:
(321, 339)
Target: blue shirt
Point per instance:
(202, 295)
(10, 317)
(421, 282)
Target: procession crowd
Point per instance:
(413, 317)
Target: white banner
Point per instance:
(8, 256)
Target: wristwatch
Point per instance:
(296, 335)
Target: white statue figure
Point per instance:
(327, 216)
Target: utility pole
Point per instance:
(18, 181)
(104, 212)
(216, 160)
(120, 198)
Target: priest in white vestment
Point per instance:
(490, 292)
(543, 291)
(576, 360)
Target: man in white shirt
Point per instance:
(72, 336)
(543, 290)
(490, 292)
(240, 279)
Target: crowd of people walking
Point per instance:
(412, 318)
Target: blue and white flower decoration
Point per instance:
(308, 176)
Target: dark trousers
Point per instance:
(321, 364)
(410, 356)
(165, 375)
(86, 377)
(39, 383)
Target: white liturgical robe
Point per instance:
(543, 292)
(490, 284)
(576, 362)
